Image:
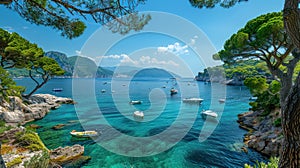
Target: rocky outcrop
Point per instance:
(262, 135)
(69, 155)
(15, 152)
(15, 111)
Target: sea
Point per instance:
(172, 134)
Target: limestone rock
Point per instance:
(14, 117)
(64, 155)
(263, 136)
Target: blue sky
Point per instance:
(217, 23)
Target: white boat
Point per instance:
(103, 91)
(222, 100)
(138, 114)
(84, 134)
(173, 91)
(253, 98)
(57, 89)
(135, 102)
(210, 113)
(192, 100)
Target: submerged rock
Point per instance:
(58, 126)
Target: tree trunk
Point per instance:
(291, 15)
(290, 156)
(38, 85)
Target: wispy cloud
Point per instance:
(147, 60)
(175, 48)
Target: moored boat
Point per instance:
(138, 114)
(222, 100)
(135, 102)
(173, 91)
(209, 113)
(84, 134)
(192, 100)
(57, 89)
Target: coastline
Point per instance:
(263, 136)
(20, 146)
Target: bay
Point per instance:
(124, 139)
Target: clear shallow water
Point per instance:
(221, 149)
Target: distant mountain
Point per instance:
(62, 60)
(82, 66)
(138, 72)
(153, 73)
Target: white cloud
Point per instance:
(175, 48)
(128, 60)
(147, 60)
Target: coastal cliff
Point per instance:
(264, 133)
(22, 147)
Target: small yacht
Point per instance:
(57, 89)
(192, 100)
(135, 102)
(209, 113)
(173, 91)
(138, 114)
(222, 100)
(84, 134)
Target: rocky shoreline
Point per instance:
(263, 135)
(21, 146)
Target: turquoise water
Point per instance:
(111, 113)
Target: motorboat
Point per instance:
(57, 89)
(192, 100)
(173, 91)
(103, 91)
(138, 114)
(222, 100)
(209, 113)
(253, 98)
(84, 134)
(135, 102)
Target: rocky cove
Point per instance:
(264, 135)
(22, 147)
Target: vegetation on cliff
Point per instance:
(264, 38)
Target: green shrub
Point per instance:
(3, 127)
(38, 161)
(265, 113)
(277, 122)
(14, 162)
(2, 123)
(31, 140)
(273, 163)
(34, 147)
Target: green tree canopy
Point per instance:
(15, 51)
(265, 38)
(8, 86)
(68, 16)
(291, 16)
(45, 67)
